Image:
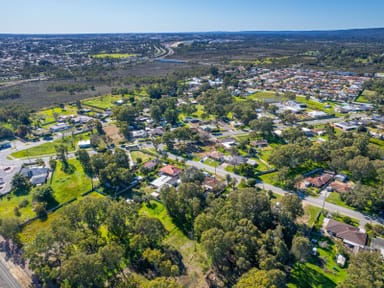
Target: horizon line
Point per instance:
(191, 32)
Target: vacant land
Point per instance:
(102, 102)
(113, 132)
(30, 231)
(69, 184)
(194, 258)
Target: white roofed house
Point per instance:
(84, 144)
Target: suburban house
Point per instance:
(150, 165)
(37, 175)
(216, 155)
(259, 143)
(139, 134)
(349, 234)
(228, 143)
(235, 160)
(341, 187)
(59, 127)
(168, 176)
(82, 144)
(213, 184)
(319, 181)
(170, 170)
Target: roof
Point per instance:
(348, 233)
(34, 171)
(170, 170)
(321, 180)
(215, 155)
(341, 187)
(39, 179)
(161, 181)
(150, 164)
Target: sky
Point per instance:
(125, 16)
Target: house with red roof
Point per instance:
(170, 170)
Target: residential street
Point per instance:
(318, 202)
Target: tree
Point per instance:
(301, 248)
(85, 161)
(255, 278)
(291, 204)
(263, 125)
(21, 183)
(361, 168)
(43, 193)
(10, 228)
(83, 270)
(365, 271)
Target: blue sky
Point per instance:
(109, 16)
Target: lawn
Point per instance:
(315, 105)
(334, 198)
(9, 202)
(30, 231)
(138, 154)
(363, 98)
(49, 147)
(319, 271)
(194, 257)
(264, 95)
(310, 215)
(103, 102)
(114, 55)
(48, 115)
(69, 185)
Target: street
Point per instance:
(6, 278)
(318, 202)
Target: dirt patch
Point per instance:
(113, 132)
(305, 218)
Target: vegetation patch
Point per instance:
(70, 185)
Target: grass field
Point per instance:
(114, 55)
(363, 98)
(102, 102)
(48, 115)
(334, 198)
(49, 147)
(8, 204)
(138, 154)
(310, 215)
(30, 231)
(194, 257)
(67, 186)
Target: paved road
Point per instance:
(6, 278)
(332, 208)
(318, 202)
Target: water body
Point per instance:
(172, 61)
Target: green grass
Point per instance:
(30, 231)
(269, 178)
(138, 154)
(49, 147)
(194, 258)
(264, 95)
(211, 162)
(320, 271)
(48, 115)
(103, 102)
(9, 202)
(67, 186)
(334, 198)
(363, 98)
(114, 55)
(310, 214)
